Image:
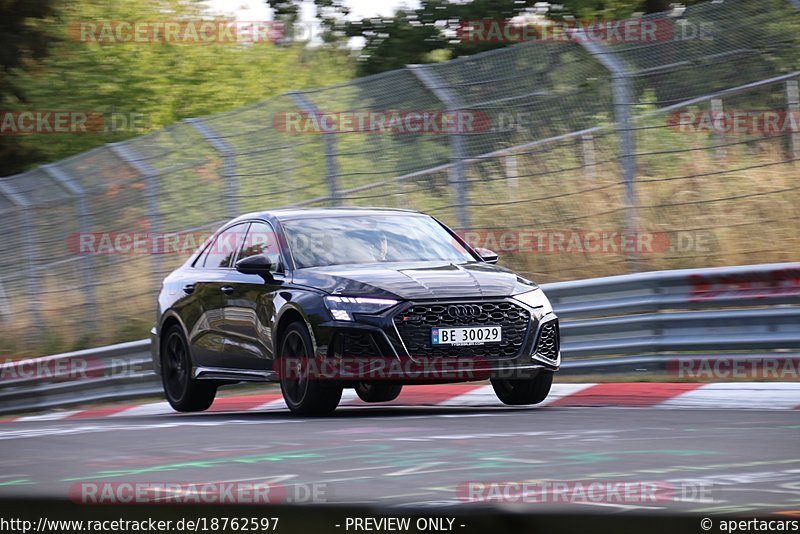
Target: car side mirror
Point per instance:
(258, 264)
(487, 255)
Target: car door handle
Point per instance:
(228, 290)
(188, 289)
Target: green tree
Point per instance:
(24, 41)
(430, 33)
(158, 83)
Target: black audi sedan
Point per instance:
(325, 299)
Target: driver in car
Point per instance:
(381, 249)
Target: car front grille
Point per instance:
(414, 327)
(547, 344)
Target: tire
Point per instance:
(523, 391)
(304, 395)
(372, 392)
(183, 393)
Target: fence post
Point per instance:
(305, 105)
(623, 101)
(793, 107)
(228, 163)
(400, 193)
(589, 160)
(5, 305)
(512, 172)
(718, 121)
(87, 275)
(34, 290)
(145, 170)
(457, 174)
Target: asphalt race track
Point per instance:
(716, 461)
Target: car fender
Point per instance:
(300, 301)
(155, 348)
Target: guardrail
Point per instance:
(620, 324)
(112, 373)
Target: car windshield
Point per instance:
(337, 240)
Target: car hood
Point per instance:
(418, 280)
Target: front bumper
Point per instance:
(372, 348)
(155, 351)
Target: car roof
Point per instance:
(286, 214)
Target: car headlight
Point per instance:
(536, 299)
(342, 308)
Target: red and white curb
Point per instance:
(727, 395)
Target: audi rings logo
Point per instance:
(464, 310)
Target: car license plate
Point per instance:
(468, 335)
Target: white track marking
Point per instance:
(559, 391)
(153, 408)
(277, 404)
(483, 396)
(54, 416)
(739, 395)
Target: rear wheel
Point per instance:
(523, 391)
(372, 392)
(183, 393)
(303, 394)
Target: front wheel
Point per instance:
(523, 391)
(184, 393)
(304, 393)
(371, 392)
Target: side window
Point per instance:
(201, 259)
(261, 239)
(222, 252)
